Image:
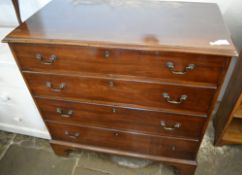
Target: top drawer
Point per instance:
(165, 65)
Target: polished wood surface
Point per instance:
(76, 59)
(114, 117)
(120, 140)
(231, 102)
(119, 91)
(170, 26)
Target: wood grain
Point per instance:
(165, 26)
(138, 120)
(127, 92)
(119, 140)
(74, 59)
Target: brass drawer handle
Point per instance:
(170, 128)
(171, 67)
(106, 54)
(50, 86)
(173, 148)
(49, 61)
(169, 100)
(66, 114)
(74, 135)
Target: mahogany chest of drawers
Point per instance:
(128, 78)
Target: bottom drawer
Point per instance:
(119, 140)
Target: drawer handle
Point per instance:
(171, 67)
(50, 86)
(173, 148)
(114, 110)
(74, 135)
(171, 128)
(106, 54)
(66, 114)
(169, 100)
(49, 61)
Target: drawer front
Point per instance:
(133, 142)
(10, 76)
(120, 91)
(149, 122)
(175, 66)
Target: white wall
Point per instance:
(27, 8)
(233, 18)
(17, 110)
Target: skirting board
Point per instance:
(24, 131)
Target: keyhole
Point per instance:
(116, 134)
(111, 83)
(114, 110)
(106, 54)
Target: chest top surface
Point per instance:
(151, 25)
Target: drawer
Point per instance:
(133, 142)
(121, 91)
(10, 76)
(120, 62)
(19, 113)
(138, 120)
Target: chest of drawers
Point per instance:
(137, 79)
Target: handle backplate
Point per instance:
(58, 89)
(63, 113)
(171, 67)
(169, 100)
(170, 128)
(74, 135)
(48, 61)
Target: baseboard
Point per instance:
(25, 131)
